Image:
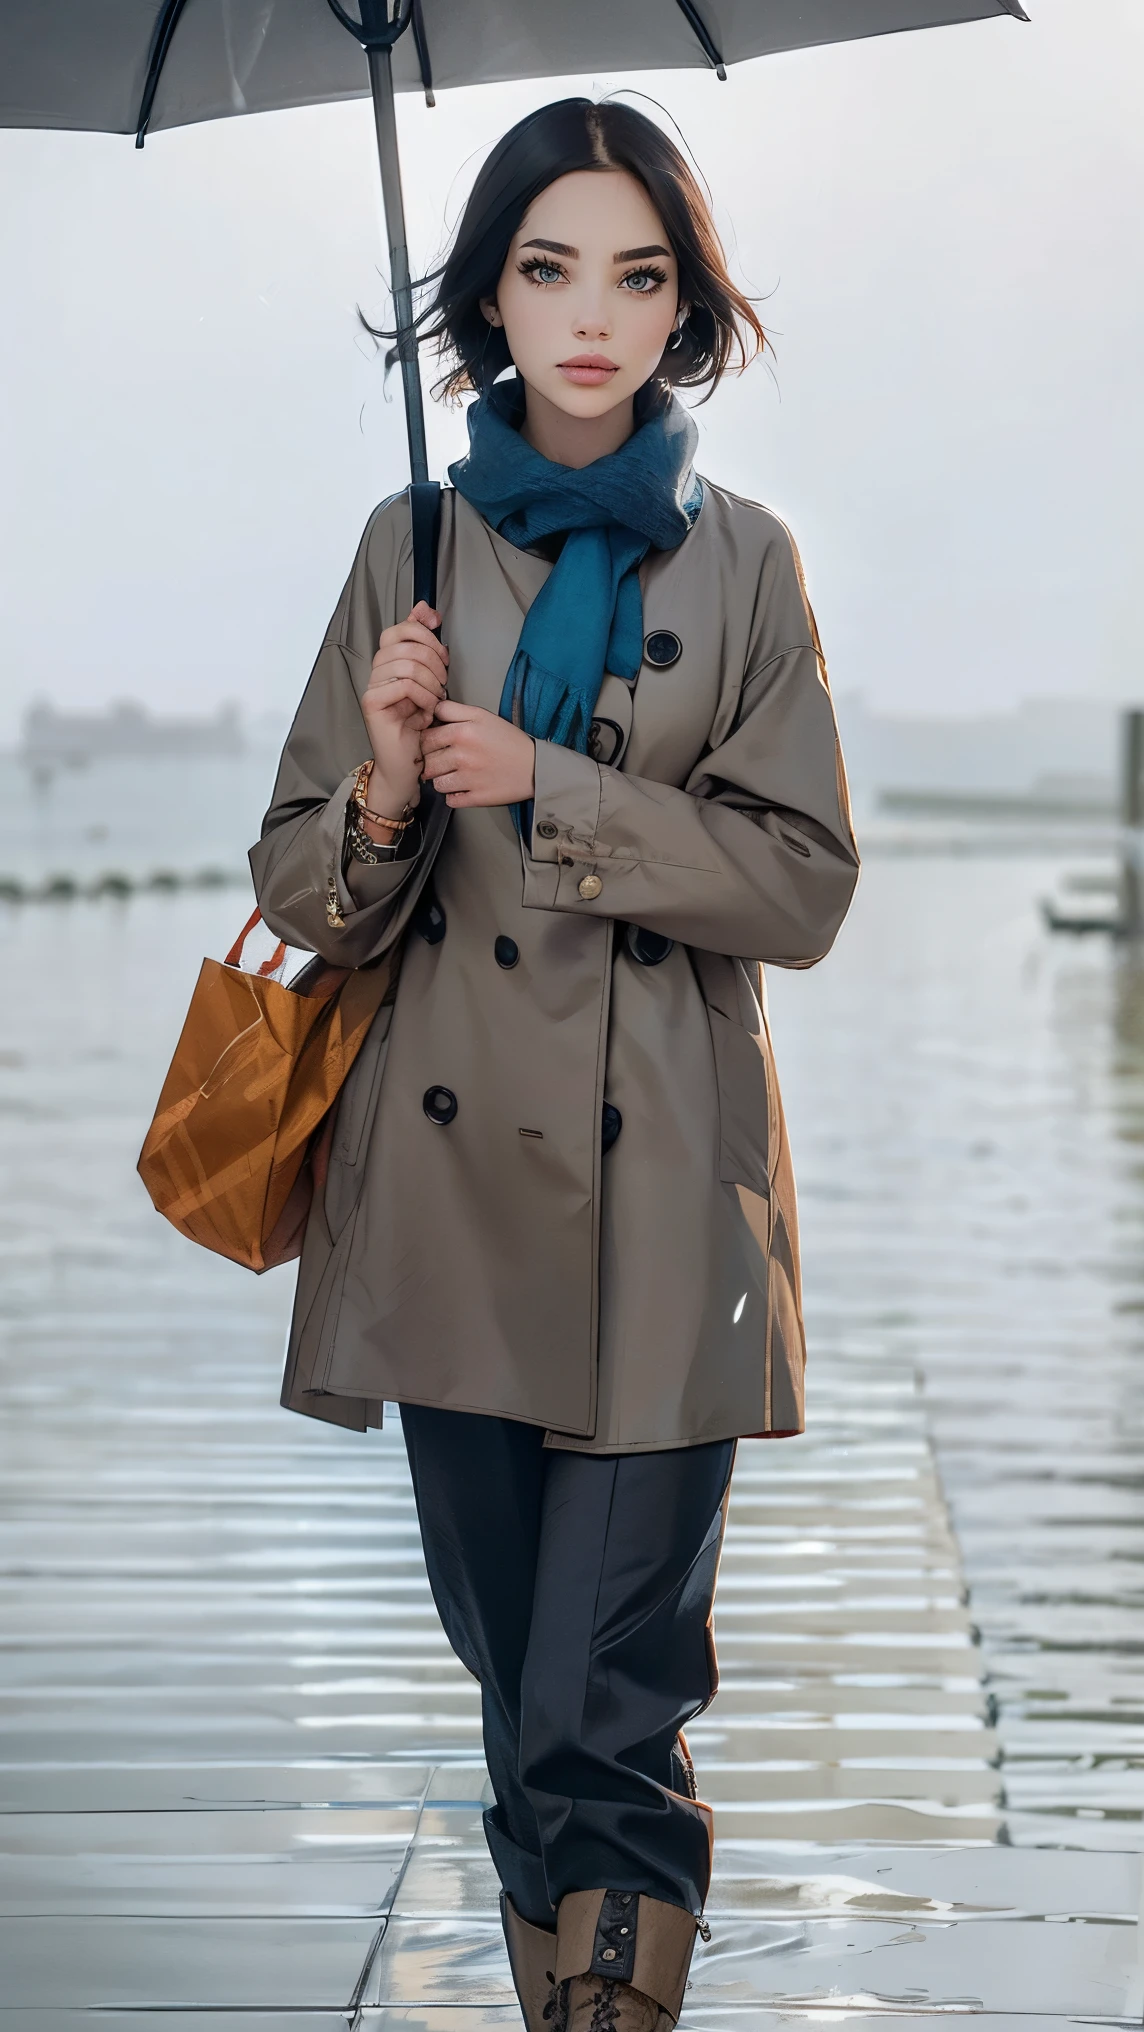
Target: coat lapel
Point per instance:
(492, 586)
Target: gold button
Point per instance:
(590, 887)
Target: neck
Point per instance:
(574, 441)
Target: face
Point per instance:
(589, 292)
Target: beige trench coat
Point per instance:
(499, 1262)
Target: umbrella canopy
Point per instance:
(133, 66)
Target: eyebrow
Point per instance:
(573, 253)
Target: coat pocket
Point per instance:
(357, 1107)
(744, 1104)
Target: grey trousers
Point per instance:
(577, 1589)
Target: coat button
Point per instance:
(429, 919)
(609, 1954)
(611, 1122)
(662, 648)
(440, 1105)
(547, 830)
(605, 740)
(589, 887)
(506, 951)
(648, 947)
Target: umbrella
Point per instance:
(134, 66)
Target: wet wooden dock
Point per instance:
(240, 1777)
(241, 1770)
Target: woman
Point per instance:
(558, 1226)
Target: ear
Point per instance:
(489, 310)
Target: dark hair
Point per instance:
(577, 134)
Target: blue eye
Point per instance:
(541, 271)
(644, 281)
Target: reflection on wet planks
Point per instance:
(967, 1098)
(239, 1769)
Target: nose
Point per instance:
(592, 322)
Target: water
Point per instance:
(238, 1766)
(131, 819)
(967, 1109)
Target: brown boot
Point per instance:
(600, 2004)
(624, 1959)
(532, 1959)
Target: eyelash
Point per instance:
(531, 268)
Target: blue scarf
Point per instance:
(588, 616)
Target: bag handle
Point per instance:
(425, 519)
(234, 956)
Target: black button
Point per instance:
(506, 951)
(429, 918)
(440, 1105)
(611, 1124)
(547, 830)
(648, 947)
(605, 739)
(662, 648)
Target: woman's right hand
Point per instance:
(406, 683)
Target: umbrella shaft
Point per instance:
(385, 121)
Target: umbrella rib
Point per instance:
(421, 44)
(702, 35)
(167, 24)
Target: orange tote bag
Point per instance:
(241, 1134)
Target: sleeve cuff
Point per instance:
(361, 886)
(565, 818)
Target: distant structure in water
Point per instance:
(126, 731)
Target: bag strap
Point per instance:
(234, 956)
(425, 517)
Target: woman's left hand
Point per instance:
(474, 757)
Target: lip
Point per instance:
(588, 370)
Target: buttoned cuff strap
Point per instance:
(630, 1937)
(560, 870)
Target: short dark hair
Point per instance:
(568, 135)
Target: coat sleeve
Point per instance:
(301, 850)
(754, 856)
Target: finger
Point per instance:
(404, 635)
(420, 622)
(404, 659)
(449, 709)
(383, 698)
(407, 666)
(446, 771)
(440, 737)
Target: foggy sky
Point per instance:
(946, 229)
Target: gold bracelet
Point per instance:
(398, 824)
(359, 794)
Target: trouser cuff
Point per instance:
(521, 1874)
(631, 1938)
